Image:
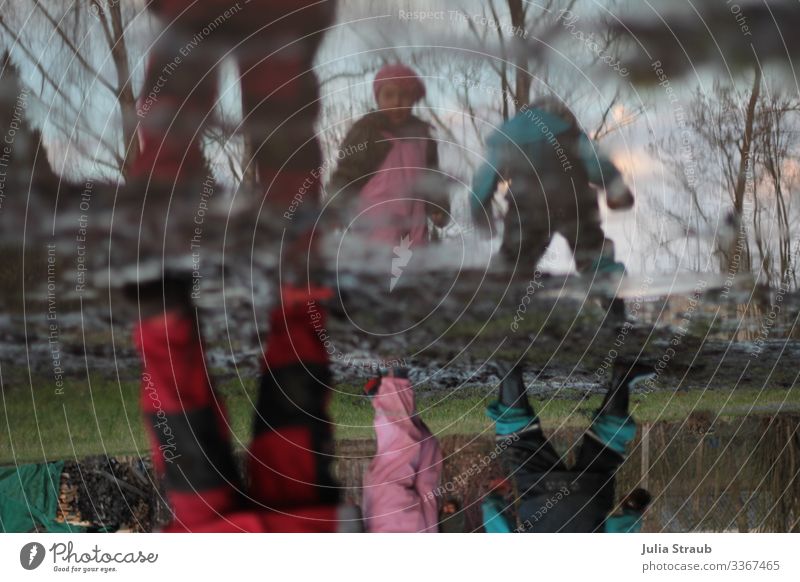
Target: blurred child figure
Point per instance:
(400, 483)
(289, 487)
(274, 45)
(388, 160)
(540, 494)
(551, 167)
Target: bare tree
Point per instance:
(778, 148)
(74, 50)
(111, 20)
(733, 161)
(745, 147)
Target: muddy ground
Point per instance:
(445, 328)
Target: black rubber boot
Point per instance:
(616, 401)
(626, 375)
(632, 372)
(512, 391)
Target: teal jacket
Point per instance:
(527, 132)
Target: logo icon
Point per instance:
(31, 555)
(402, 254)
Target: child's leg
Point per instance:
(187, 424)
(595, 456)
(526, 455)
(292, 446)
(526, 450)
(176, 101)
(280, 100)
(592, 250)
(603, 447)
(280, 96)
(594, 253)
(526, 234)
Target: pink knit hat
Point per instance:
(403, 76)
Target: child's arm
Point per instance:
(604, 174)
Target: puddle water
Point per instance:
(704, 475)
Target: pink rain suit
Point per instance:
(400, 485)
(388, 203)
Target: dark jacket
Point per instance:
(365, 148)
(565, 501)
(562, 503)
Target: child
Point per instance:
(274, 45)
(401, 481)
(386, 158)
(549, 496)
(289, 487)
(550, 166)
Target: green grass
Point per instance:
(36, 424)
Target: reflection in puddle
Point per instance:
(705, 475)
